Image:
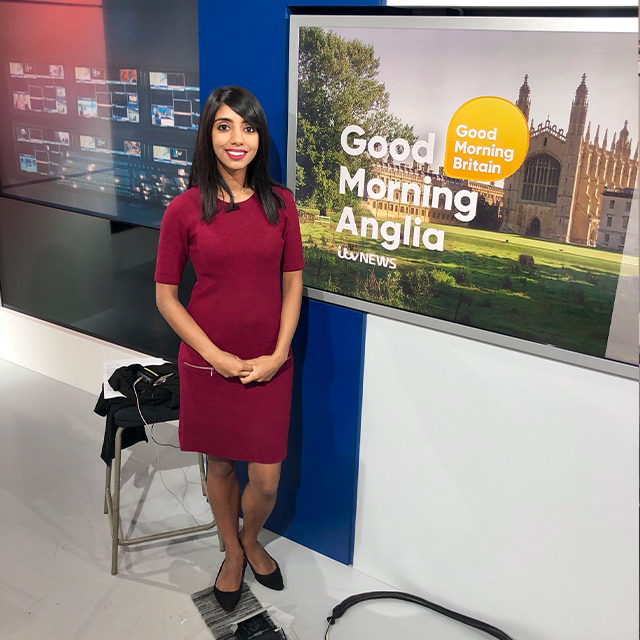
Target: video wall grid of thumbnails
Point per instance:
(150, 173)
(136, 162)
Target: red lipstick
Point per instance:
(236, 154)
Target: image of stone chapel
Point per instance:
(557, 193)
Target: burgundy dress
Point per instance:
(238, 259)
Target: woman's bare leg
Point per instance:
(258, 500)
(224, 496)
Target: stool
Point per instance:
(112, 499)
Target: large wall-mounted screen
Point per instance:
(101, 122)
(474, 175)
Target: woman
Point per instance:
(240, 230)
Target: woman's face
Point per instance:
(235, 142)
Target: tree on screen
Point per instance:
(337, 86)
(487, 216)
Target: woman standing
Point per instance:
(240, 230)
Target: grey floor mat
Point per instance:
(217, 619)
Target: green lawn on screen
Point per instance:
(565, 301)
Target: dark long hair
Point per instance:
(204, 170)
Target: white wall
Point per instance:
(500, 484)
(59, 353)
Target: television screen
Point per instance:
(175, 100)
(495, 199)
(29, 84)
(40, 151)
(93, 88)
(101, 91)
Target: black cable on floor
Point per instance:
(341, 609)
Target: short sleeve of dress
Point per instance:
(292, 258)
(173, 247)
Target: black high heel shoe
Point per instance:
(271, 580)
(228, 600)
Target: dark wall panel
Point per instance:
(85, 273)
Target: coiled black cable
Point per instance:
(341, 609)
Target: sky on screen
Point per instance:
(430, 73)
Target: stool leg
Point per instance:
(116, 503)
(203, 476)
(107, 487)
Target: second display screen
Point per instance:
(100, 124)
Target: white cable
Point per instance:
(146, 424)
(198, 515)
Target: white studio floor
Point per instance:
(55, 579)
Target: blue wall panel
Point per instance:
(317, 495)
(245, 42)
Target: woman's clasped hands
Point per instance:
(260, 369)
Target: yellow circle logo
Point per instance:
(487, 140)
